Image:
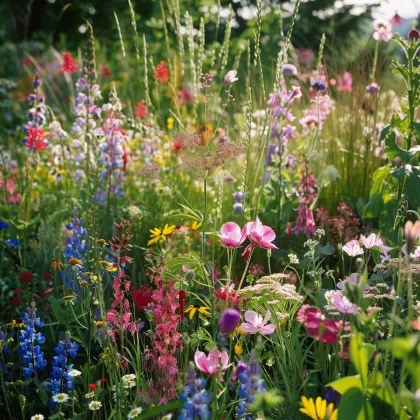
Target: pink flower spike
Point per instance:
(212, 363)
(260, 234)
(231, 235)
(353, 248)
(371, 241)
(255, 323)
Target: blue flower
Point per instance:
(251, 385)
(333, 396)
(319, 85)
(30, 351)
(4, 225)
(196, 399)
(14, 243)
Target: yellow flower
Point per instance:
(170, 122)
(192, 309)
(195, 226)
(75, 261)
(239, 330)
(69, 297)
(16, 323)
(56, 264)
(157, 234)
(99, 323)
(238, 349)
(83, 283)
(318, 410)
(101, 242)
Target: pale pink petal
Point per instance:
(201, 361)
(224, 360)
(268, 329)
(251, 317)
(267, 317)
(268, 234)
(249, 328)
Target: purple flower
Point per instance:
(229, 321)
(319, 85)
(238, 208)
(238, 196)
(372, 88)
(343, 304)
(290, 69)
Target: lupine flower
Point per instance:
(161, 72)
(238, 196)
(231, 235)
(322, 328)
(229, 321)
(231, 77)
(251, 385)
(158, 234)
(353, 248)
(68, 65)
(372, 241)
(215, 361)
(343, 304)
(4, 225)
(318, 410)
(238, 208)
(195, 398)
(30, 351)
(256, 323)
(345, 82)
(382, 30)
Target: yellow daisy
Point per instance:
(318, 410)
(195, 226)
(192, 309)
(158, 234)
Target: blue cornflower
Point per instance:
(4, 225)
(196, 399)
(319, 85)
(30, 351)
(61, 381)
(251, 385)
(14, 243)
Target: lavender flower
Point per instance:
(290, 69)
(319, 85)
(229, 321)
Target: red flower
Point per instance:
(181, 297)
(68, 65)
(17, 291)
(35, 138)
(142, 296)
(177, 146)
(92, 386)
(161, 72)
(105, 71)
(16, 301)
(141, 110)
(103, 380)
(25, 277)
(47, 276)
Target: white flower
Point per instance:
(128, 378)
(37, 417)
(293, 259)
(90, 394)
(60, 398)
(129, 384)
(134, 412)
(95, 405)
(353, 248)
(74, 372)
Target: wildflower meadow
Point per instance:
(196, 224)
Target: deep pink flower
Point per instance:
(231, 235)
(68, 65)
(260, 235)
(396, 20)
(256, 323)
(212, 363)
(353, 248)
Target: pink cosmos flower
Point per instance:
(345, 82)
(382, 30)
(353, 248)
(255, 323)
(212, 363)
(231, 77)
(260, 235)
(324, 329)
(343, 304)
(371, 241)
(231, 235)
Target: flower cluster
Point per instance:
(306, 194)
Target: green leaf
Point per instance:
(344, 384)
(393, 150)
(360, 354)
(379, 386)
(58, 310)
(378, 178)
(161, 409)
(413, 186)
(354, 406)
(373, 207)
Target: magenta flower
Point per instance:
(343, 304)
(231, 235)
(229, 321)
(382, 30)
(353, 248)
(231, 77)
(371, 241)
(255, 323)
(212, 363)
(260, 235)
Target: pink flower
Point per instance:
(371, 241)
(212, 363)
(353, 248)
(260, 235)
(345, 82)
(231, 77)
(255, 323)
(343, 304)
(396, 20)
(323, 329)
(231, 235)
(382, 30)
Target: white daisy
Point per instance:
(90, 394)
(95, 405)
(74, 372)
(128, 378)
(37, 417)
(134, 412)
(61, 398)
(129, 384)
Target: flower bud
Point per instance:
(229, 321)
